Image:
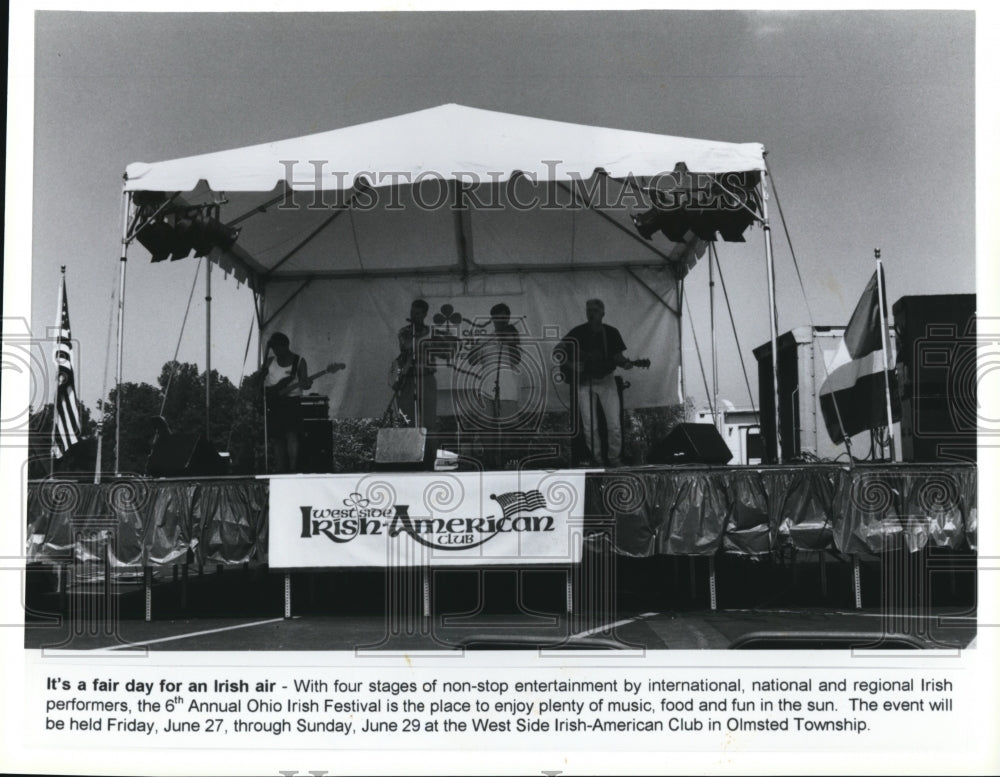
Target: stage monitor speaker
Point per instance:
(691, 444)
(404, 448)
(184, 455)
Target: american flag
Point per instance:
(66, 423)
(518, 501)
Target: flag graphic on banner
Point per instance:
(66, 423)
(856, 380)
(518, 501)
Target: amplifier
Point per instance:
(315, 406)
(401, 448)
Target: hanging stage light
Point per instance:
(156, 234)
(196, 229)
(186, 235)
(675, 227)
(648, 223)
(703, 224)
(216, 234)
(704, 209)
(732, 225)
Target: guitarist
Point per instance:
(591, 353)
(416, 386)
(285, 376)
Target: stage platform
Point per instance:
(508, 518)
(644, 511)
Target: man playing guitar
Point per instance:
(415, 385)
(285, 376)
(591, 353)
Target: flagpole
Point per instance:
(716, 412)
(126, 201)
(208, 346)
(55, 396)
(883, 331)
(772, 314)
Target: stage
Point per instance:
(508, 518)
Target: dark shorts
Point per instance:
(284, 414)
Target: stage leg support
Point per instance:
(425, 584)
(147, 584)
(62, 585)
(713, 603)
(569, 591)
(288, 595)
(857, 582)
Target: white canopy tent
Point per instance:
(461, 206)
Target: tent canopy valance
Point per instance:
(450, 190)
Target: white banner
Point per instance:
(412, 519)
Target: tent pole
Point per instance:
(712, 258)
(680, 337)
(208, 346)
(126, 207)
(773, 315)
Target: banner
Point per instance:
(416, 519)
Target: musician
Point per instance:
(285, 378)
(416, 385)
(593, 351)
(497, 356)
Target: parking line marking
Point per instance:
(188, 636)
(616, 624)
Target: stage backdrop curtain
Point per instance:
(355, 321)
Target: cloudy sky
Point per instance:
(868, 118)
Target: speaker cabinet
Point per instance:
(937, 375)
(691, 444)
(316, 446)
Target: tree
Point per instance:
(183, 385)
(77, 459)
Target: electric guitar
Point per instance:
(281, 389)
(579, 368)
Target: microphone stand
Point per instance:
(416, 375)
(263, 389)
(496, 403)
(590, 392)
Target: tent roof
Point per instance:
(302, 208)
(449, 140)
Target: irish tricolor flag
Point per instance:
(853, 396)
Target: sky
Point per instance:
(868, 119)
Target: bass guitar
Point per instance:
(282, 389)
